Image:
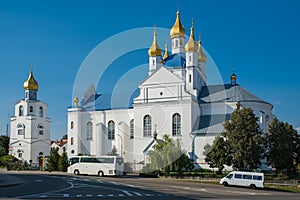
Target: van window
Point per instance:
(246, 176)
(239, 176)
(255, 177)
(230, 176)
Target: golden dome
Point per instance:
(166, 52)
(30, 83)
(233, 76)
(154, 49)
(201, 55)
(191, 45)
(177, 29)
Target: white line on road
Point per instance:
(89, 195)
(66, 195)
(43, 196)
(127, 193)
(100, 195)
(79, 195)
(137, 194)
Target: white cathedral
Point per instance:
(174, 99)
(30, 126)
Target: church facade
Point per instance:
(174, 99)
(30, 126)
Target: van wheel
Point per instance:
(252, 186)
(100, 173)
(76, 172)
(225, 184)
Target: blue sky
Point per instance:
(260, 38)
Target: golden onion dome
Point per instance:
(201, 55)
(233, 76)
(177, 29)
(154, 49)
(166, 52)
(191, 45)
(30, 83)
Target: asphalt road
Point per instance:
(48, 186)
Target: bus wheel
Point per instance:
(76, 172)
(225, 184)
(100, 173)
(252, 186)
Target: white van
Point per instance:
(247, 179)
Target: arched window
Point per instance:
(41, 112)
(176, 124)
(21, 129)
(89, 131)
(30, 109)
(267, 123)
(41, 129)
(72, 124)
(132, 129)
(21, 111)
(147, 126)
(111, 130)
(72, 141)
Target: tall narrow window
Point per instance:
(21, 111)
(147, 126)
(190, 78)
(176, 43)
(132, 129)
(21, 129)
(41, 113)
(111, 130)
(176, 124)
(40, 129)
(89, 131)
(72, 141)
(72, 124)
(30, 109)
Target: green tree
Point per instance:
(53, 160)
(217, 154)
(63, 162)
(4, 142)
(244, 138)
(282, 144)
(7, 158)
(168, 156)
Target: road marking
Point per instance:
(100, 195)
(137, 194)
(114, 183)
(110, 195)
(127, 193)
(79, 195)
(100, 181)
(131, 185)
(121, 195)
(38, 180)
(66, 195)
(149, 195)
(89, 195)
(43, 196)
(88, 180)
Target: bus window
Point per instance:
(106, 160)
(259, 178)
(74, 160)
(246, 176)
(239, 176)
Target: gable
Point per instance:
(162, 76)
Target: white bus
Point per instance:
(247, 179)
(96, 165)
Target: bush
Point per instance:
(5, 159)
